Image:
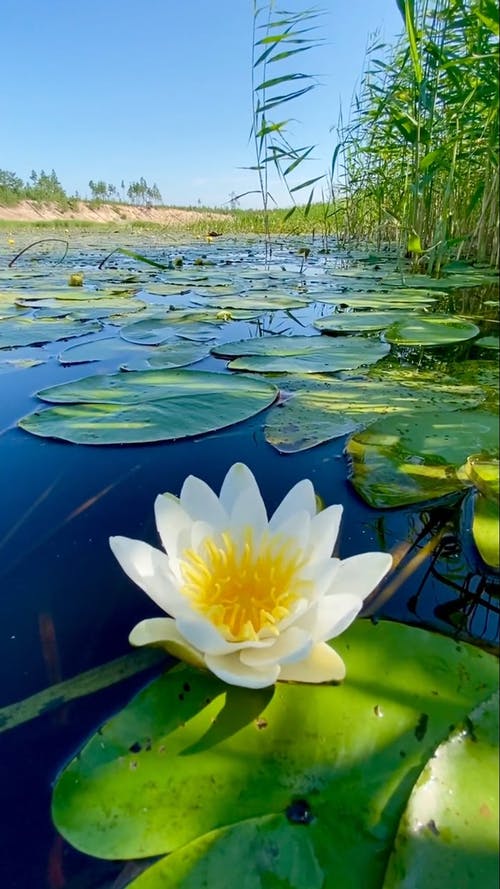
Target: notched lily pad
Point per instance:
(354, 322)
(146, 406)
(29, 331)
(448, 835)
(292, 778)
(431, 330)
(317, 409)
(409, 459)
(301, 354)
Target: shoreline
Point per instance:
(105, 213)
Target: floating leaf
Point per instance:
(12, 364)
(187, 403)
(478, 373)
(320, 775)
(106, 349)
(301, 354)
(354, 322)
(431, 330)
(154, 331)
(448, 835)
(29, 331)
(408, 459)
(175, 354)
(321, 409)
(486, 529)
(388, 300)
(268, 302)
(484, 474)
(488, 342)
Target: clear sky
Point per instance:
(107, 89)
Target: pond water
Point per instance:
(66, 606)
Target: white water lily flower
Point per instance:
(251, 599)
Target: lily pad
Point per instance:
(268, 302)
(106, 349)
(486, 530)
(301, 354)
(30, 331)
(175, 354)
(12, 364)
(130, 408)
(354, 322)
(431, 330)
(384, 300)
(488, 342)
(485, 475)
(316, 410)
(448, 835)
(318, 776)
(479, 373)
(408, 459)
(154, 331)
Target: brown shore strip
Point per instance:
(34, 211)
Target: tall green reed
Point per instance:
(278, 38)
(422, 145)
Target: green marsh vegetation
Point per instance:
(420, 152)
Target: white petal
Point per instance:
(199, 532)
(230, 669)
(172, 522)
(321, 575)
(163, 633)
(296, 528)
(202, 504)
(323, 664)
(334, 614)
(324, 532)
(238, 478)
(293, 644)
(301, 497)
(360, 575)
(149, 568)
(249, 511)
(205, 636)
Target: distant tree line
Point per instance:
(137, 192)
(44, 186)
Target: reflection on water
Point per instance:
(67, 607)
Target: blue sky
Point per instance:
(103, 89)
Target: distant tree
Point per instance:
(11, 187)
(45, 187)
(155, 194)
(99, 190)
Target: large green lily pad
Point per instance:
(430, 330)
(309, 783)
(175, 354)
(130, 408)
(301, 354)
(317, 409)
(256, 302)
(105, 349)
(154, 331)
(29, 331)
(383, 300)
(408, 459)
(485, 476)
(448, 835)
(356, 322)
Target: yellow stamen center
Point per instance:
(241, 587)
